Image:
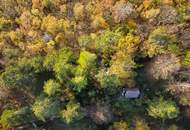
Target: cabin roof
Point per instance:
(131, 92)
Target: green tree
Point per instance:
(34, 64)
(50, 60)
(108, 80)
(160, 36)
(63, 66)
(79, 83)
(46, 3)
(12, 118)
(45, 108)
(119, 125)
(85, 41)
(84, 124)
(63, 71)
(5, 24)
(128, 107)
(22, 74)
(140, 124)
(162, 109)
(173, 127)
(10, 53)
(106, 43)
(129, 44)
(183, 12)
(157, 42)
(87, 60)
(85, 69)
(107, 39)
(122, 66)
(6, 115)
(186, 60)
(16, 77)
(51, 87)
(72, 112)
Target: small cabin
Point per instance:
(130, 92)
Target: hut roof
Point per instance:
(131, 92)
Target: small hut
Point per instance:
(130, 92)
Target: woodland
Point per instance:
(64, 64)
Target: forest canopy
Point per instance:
(95, 64)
